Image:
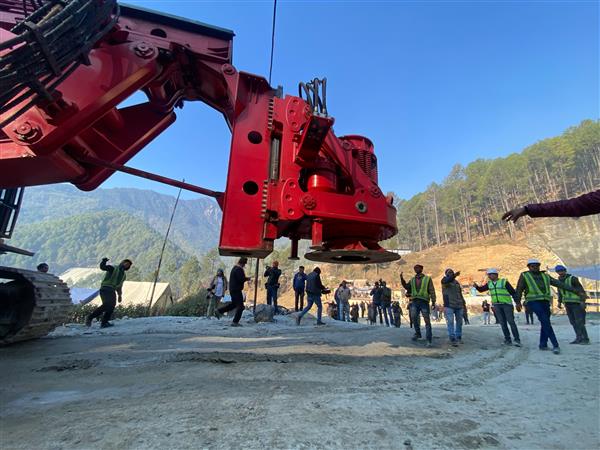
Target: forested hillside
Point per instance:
(83, 240)
(195, 228)
(469, 203)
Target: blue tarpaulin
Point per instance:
(589, 272)
(82, 295)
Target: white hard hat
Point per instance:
(490, 271)
(533, 261)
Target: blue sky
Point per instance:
(432, 83)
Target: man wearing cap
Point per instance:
(535, 284)
(272, 285)
(453, 306)
(421, 292)
(237, 278)
(314, 289)
(503, 294)
(574, 303)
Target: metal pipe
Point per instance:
(148, 175)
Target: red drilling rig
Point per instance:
(66, 66)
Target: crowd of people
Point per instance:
(533, 292)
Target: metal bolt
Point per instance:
(228, 69)
(143, 50)
(361, 207)
(309, 202)
(27, 131)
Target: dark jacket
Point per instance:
(386, 296)
(584, 205)
(273, 274)
(237, 278)
(452, 293)
(300, 281)
(313, 284)
(376, 292)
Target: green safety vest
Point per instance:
(114, 279)
(498, 291)
(569, 296)
(423, 292)
(533, 290)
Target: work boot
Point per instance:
(517, 343)
(88, 322)
(106, 325)
(235, 324)
(320, 323)
(585, 342)
(556, 350)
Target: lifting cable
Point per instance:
(272, 39)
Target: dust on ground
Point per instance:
(171, 383)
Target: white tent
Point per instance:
(139, 292)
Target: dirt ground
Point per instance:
(188, 383)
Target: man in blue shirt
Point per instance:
(299, 287)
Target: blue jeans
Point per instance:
(272, 296)
(541, 309)
(340, 310)
(453, 314)
(387, 311)
(312, 299)
(486, 317)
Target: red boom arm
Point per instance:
(289, 175)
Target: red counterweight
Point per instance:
(289, 175)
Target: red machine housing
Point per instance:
(289, 175)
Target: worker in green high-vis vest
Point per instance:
(502, 295)
(574, 303)
(535, 284)
(109, 290)
(421, 292)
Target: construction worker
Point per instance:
(453, 304)
(272, 273)
(376, 294)
(535, 284)
(421, 292)
(314, 289)
(110, 291)
(503, 294)
(342, 297)
(574, 303)
(386, 303)
(216, 290)
(42, 267)
(299, 284)
(237, 278)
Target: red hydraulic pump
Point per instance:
(65, 66)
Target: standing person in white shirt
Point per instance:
(217, 289)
